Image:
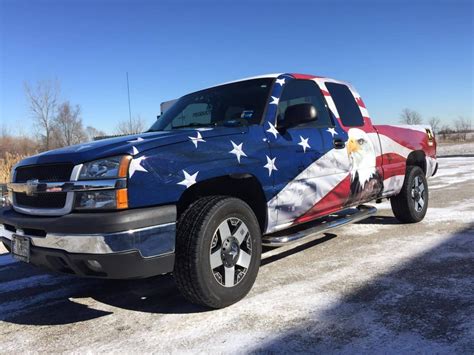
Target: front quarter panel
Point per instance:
(160, 176)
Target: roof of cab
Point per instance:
(276, 75)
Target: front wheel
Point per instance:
(218, 248)
(410, 205)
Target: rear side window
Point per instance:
(346, 105)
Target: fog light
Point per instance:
(6, 200)
(94, 265)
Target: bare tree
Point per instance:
(435, 124)
(42, 103)
(410, 117)
(92, 133)
(462, 126)
(134, 126)
(67, 125)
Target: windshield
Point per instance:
(235, 104)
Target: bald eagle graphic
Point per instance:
(366, 182)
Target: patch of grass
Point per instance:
(6, 165)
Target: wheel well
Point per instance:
(417, 158)
(245, 187)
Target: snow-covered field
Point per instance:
(444, 149)
(372, 287)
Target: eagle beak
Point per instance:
(352, 146)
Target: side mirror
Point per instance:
(298, 114)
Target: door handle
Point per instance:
(339, 143)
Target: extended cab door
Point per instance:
(307, 169)
(362, 146)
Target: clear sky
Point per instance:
(416, 54)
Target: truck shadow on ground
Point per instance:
(51, 299)
(385, 220)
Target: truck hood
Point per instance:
(132, 144)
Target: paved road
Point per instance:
(376, 286)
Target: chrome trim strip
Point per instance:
(72, 186)
(149, 241)
(75, 172)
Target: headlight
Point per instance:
(102, 200)
(109, 168)
(105, 168)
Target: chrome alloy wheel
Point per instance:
(231, 252)
(418, 194)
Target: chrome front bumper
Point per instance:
(150, 241)
(127, 244)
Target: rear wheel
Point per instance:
(411, 203)
(218, 250)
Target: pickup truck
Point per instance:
(264, 161)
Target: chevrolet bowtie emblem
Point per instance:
(32, 187)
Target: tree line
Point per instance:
(457, 132)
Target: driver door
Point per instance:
(305, 170)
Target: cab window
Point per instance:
(298, 92)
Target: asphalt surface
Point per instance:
(374, 287)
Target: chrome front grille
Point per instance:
(47, 204)
(56, 198)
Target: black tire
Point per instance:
(197, 232)
(405, 205)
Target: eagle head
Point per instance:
(361, 154)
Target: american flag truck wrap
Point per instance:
(265, 161)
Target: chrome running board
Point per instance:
(309, 234)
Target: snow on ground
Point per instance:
(455, 171)
(377, 286)
(455, 148)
